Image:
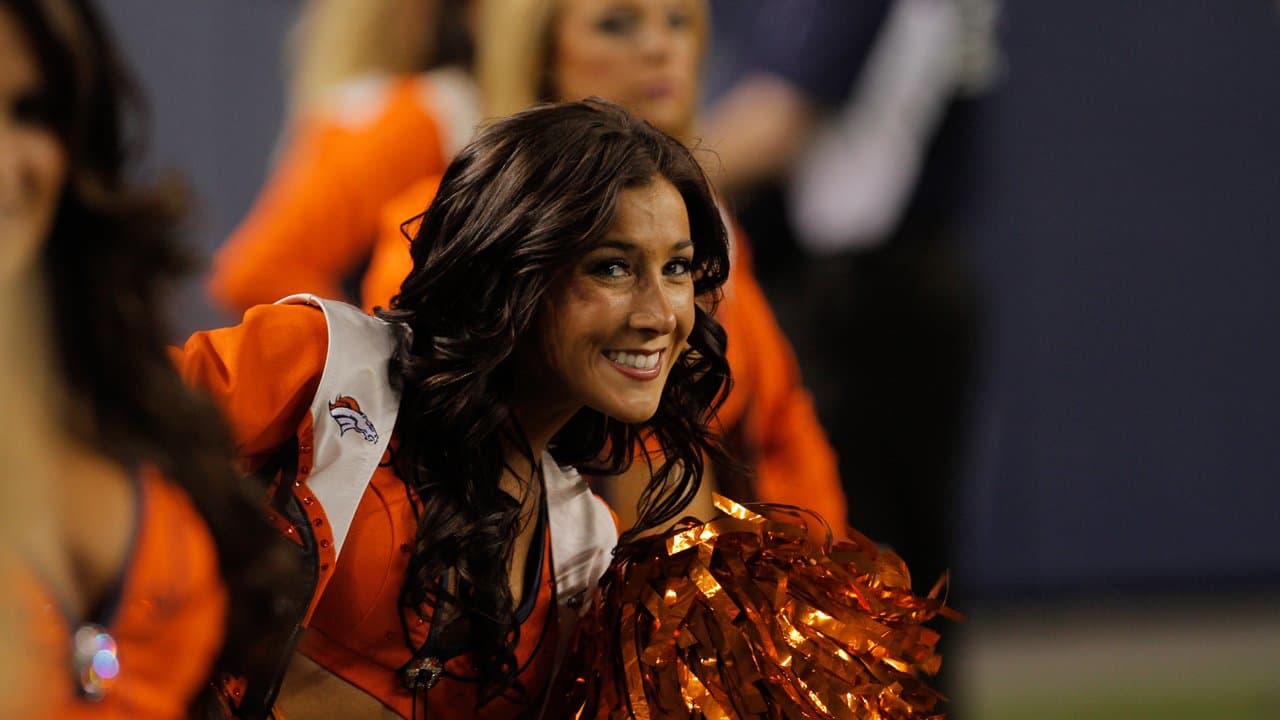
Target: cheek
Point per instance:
(585, 66)
(35, 173)
(56, 167)
(687, 62)
(45, 171)
(559, 332)
(584, 317)
(684, 306)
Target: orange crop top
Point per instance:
(316, 218)
(165, 622)
(356, 632)
(264, 373)
(793, 461)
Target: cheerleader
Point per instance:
(427, 461)
(381, 96)
(134, 559)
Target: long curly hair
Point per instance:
(527, 198)
(107, 263)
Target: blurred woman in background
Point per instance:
(381, 95)
(139, 560)
(335, 42)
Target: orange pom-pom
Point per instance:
(746, 617)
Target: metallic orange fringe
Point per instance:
(746, 617)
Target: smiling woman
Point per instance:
(557, 313)
(624, 312)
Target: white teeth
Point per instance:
(639, 362)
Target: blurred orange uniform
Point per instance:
(166, 618)
(264, 374)
(315, 222)
(782, 439)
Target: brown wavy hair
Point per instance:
(110, 257)
(528, 197)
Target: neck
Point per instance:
(32, 374)
(66, 484)
(539, 425)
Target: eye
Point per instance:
(612, 269)
(33, 109)
(678, 267)
(621, 22)
(679, 19)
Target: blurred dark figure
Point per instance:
(848, 144)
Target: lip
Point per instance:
(659, 90)
(635, 373)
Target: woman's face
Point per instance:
(641, 54)
(33, 164)
(616, 322)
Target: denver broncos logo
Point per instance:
(346, 411)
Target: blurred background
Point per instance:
(1026, 255)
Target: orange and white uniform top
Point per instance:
(768, 406)
(317, 371)
(315, 220)
(150, 649)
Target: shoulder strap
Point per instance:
(353, 412)
(451, 96)
(583, 536)
(356, 103)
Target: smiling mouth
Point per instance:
(659, 91)
(638, 365)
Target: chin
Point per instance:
(633, 414)
(668, 118)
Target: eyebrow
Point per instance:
(626, 245)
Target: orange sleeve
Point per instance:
(795, 463)
(390, 262)
(262, 373)
(316, 218)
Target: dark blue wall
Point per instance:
(213, 75)
(1129, 241)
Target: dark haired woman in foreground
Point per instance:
(556, 315)
(132, 559)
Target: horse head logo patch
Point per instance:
(346, 411)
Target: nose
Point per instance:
(652, 310)
(10, 167)
(655, 40)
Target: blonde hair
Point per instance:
(514, 49)
(335, 41)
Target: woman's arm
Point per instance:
(317, 216)
(390, 262)
(262, 373)
(794, 461)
